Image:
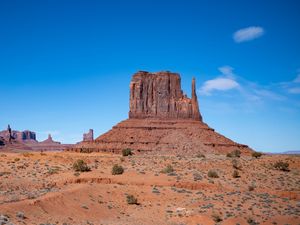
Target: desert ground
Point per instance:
(44, 188)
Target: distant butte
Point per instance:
(161, 119)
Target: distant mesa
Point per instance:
(49, 140)
(161, 119)
(26, 140)
(89, 136)
(22, 136)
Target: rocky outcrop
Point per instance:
(21, 136)
(163, 120)
(89, 136)
(2, 141)
(159, 95)
(49, 140)
(26, 140)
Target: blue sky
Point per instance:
(65, 66)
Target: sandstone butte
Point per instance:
(26, 140)
(162, 119)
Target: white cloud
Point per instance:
(219, 84)
(248, 34)
(295, 90)
(297, 79)
(227, 71)
(223, 83)
(268, 94)
(292, 87)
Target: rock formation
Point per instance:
(21, 136)
(26, 140)
(2, 141)
(159, 95)
(161, 119)
(88, 136)
(49, 140)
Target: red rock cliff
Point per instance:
(159, 95)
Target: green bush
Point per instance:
(126, 152)
(168, 169)
(81, 166)
(256, 154)
(283, 166)
(212, 174)
(117, 170)
(131, 200)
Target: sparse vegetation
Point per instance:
(81, 166)
(126, 152)
(283, 166)
(27, 154)
(256, 154)
(251, 187)
(168, 169)
(85, 150)
(4, 173)
(251, 221)
(117, 170)
(53, 170)
(20, 215)
(216, 217)
(200, 155)
(235, 174)
(236, 165)
(131, 200)
(212, 174)
(234, 154)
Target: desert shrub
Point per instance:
(27, 154)
(200, 155)
(81, 166)
(131, 200)
(256, 154)
(280, 165)
(251, 187)
(126, 152)
(236, 153)
(212, 174)
(117, 170)
(235, 174)
(216, 217)
(251, 221)
(4, 173)
(168, 169)
(20, 215)
(236, 165)
(53, 170)
(122, 159)
(17, 159)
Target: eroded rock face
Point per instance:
(89, 136)
(159, 95)
(21, 136)
(162, 120)
(49, 140)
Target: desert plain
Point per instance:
(44, 188)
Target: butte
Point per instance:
(163, 120)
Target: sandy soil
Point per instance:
(43, 188)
